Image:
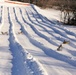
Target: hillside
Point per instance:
(29, 38)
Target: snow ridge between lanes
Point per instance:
(5, 53)
(32, 63)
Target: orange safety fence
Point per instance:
(15, 2)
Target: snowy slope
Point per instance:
(29, 42)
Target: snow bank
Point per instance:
(49, 13)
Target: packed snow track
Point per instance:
(29, 42)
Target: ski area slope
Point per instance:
(29, 39)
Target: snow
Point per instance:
(30, 37)
(1, 0)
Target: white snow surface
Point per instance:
(29, 38)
